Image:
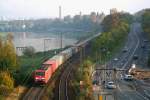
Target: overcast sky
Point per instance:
(49, 8)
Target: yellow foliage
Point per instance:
(6, 80)
(8, 59)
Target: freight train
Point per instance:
(44, 73)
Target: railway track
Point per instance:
(32, 93)
(35, 93)
(66, 76)
(63, 83)
(34, 90)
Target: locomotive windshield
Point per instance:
(40, 73)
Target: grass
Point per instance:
(37, 58)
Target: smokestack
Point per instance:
(59, 12)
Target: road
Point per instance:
(126, 90)
(137, 92)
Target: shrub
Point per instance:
(6, 80)
(29, 51)
(6, 83)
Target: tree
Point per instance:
(8, 58)
(146, 21)
(6, 80)
(6, 83)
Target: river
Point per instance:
(40, 41)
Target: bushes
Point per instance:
(6, 82)
(29, 51)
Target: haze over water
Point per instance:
(22, 39)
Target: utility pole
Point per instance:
(115, 79)
(60, 32)
(60, 12)
(45, 41)
(44, 48)
(81, 54)
(61, 41)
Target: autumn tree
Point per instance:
(8, 63)
(8, 59)
(6, 80)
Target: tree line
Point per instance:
(76, 23)
(146, 21)
(115, 30)
(146, 25)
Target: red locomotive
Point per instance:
(43, 74)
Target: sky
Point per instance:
(49, 8)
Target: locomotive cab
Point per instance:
(40, 76)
